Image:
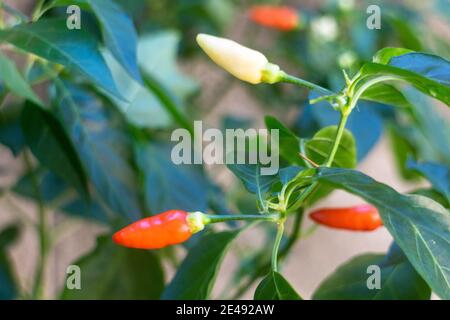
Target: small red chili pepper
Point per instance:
(283, 18)
(167, 228)
(358, 218)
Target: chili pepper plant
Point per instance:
(87, 115)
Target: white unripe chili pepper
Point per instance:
(244, 63)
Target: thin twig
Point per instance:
(304, 157)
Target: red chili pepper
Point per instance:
(167, 228)
(283, 18)
(358, 218)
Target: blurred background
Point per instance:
(332, 35)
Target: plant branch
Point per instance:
(284, 77)
(337, 140)
(276, 245)
(283, 251)
(212, 218)
(42, 230)
(309, 162)
(37, 12)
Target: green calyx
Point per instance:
(271, 73)
(197, 221)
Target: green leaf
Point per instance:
(142, 107)
(14, 81)
(427, 65)
(319, 147)
(160, 100)
(8, 235)
(385, 55)
(157, 56)
(75, 49)
(398, 279)
(11, 134)
(50, 144)
(168, 186)
(428, 73)
(387, 94)
(83, 4)
(289, 143)
(196, 275)
(8, 285)
(432, 194)
(54, 190)
(254, 182)
(419, 225)
(402, 148)
(118, 33)
(275, 287)
(432, 125)
(437, 174)
(365, 123)
(221, 12)
(50, 185)
(90, 209)
(113, 272)
(406, 32)
(100, 136)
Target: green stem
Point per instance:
(276, 246)
(284, 77)
(38, 288)
(213, 218)
(169, 103)
(37, 12)
(311, 188)
(283, 251)
(305, 194)
(337, 140)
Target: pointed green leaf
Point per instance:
(319, 147)
(385, 55)
(14, 81)
(100, 136)
(11, 134)
(167, 185)
(142, 107)
(289, 143)
(275, 287)
(431, 124)
(398, 279)
(157, 56)
(197, 273)
(428, 73)
(49, 142)
(118, 33)
(419, 225)
(254, 182)
(75, 49)
(437, 174)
